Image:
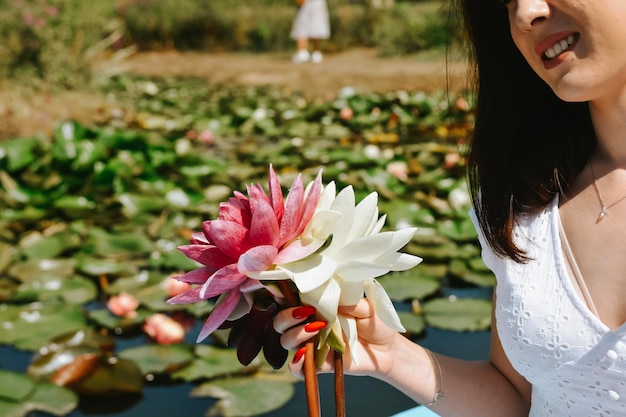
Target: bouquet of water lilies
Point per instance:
(313, 247)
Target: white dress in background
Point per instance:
(312, 21)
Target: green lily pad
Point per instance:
(157, 359)
(15, 387)
(30, 326)
(115, 376)
(245, 396)
(75, 290)
(462, 270)
(19, 153)
(458, 314)
(119, 244)
(407, 285)
(459, 230)
(212, 362)
(97, 267)
(42, 269)
(49, 247)
(413, 323)
(105, 318)
(20, 395)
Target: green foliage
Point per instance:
(54, 41)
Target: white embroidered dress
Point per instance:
(575, 363)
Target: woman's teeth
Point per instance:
(559, 47)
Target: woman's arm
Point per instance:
(470, 388)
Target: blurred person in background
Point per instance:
(311, 24)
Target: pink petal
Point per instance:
(296, 251)
(235, 211)
(276, 194)
(259, 258)
(232, 238)
(250, 286)
(197, 276)
(198, 238)
(310, 204)
(224, 306)
(293, 212)
(208, 255)
(188, 297)
(264, 229)
(223, 280)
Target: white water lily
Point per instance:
(356, 253)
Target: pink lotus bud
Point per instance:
(163, 329)
(123, 305)
(346, 113)
(451, 160)
(398, 169)
(173, 287)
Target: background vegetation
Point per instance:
(61, 41)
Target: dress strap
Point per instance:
(573, 266)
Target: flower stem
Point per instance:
(310, 370)
(340, 398)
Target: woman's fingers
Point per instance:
(290, 317)
(293, 338)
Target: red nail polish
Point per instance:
(299, 354)
(315, 326)
(303, 312)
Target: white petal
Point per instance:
(348, 325)
(360, 271)
(351, 292)
(325, 299)
(365, 216)
(383, 305)
(367, 248)
(377, 226)
(344, 203)
(278, 274)
(398, 261)
(328, 196)
(322, 224)
(312, 272)
(402, 237)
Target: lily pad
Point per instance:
(412, 284)
(51, 246)
(211, 362)
(29, 327)
(235, 396)
(42, 269)
(413, 323)
(75, 290)
(462, 270)
(157, 359)
(114, 376)
(459, 314)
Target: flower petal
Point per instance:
(293, 211)
(264, 229)
(276, 194)
(399, 261)
(208, 255)
(313, 193)
(236, 211)
(365, 217)
(230, 237)
(383, 305)
(360, 271)
(325, 299)
(223, 307)
(197, 276)
(312, 272)
(187, 297)
(260, 258)
(298, 250)
(278, 274)
(351, 292)
(223, 280)
(348, 325)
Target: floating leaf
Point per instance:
(462, 314)
(113, 376)
(211, 362)
(236, 394)
(15, 387)
(42, 269)
(157, 359)
(462, 270)
(413, 323)
(412, 284)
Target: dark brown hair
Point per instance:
(526, 141)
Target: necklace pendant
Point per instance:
(603, 213)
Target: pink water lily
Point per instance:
(251, 234)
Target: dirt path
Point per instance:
(24, 114)
(360, 68)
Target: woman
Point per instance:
(311, 23)
(547, 170)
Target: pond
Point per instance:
(365, 397)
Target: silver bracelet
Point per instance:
(439, 393)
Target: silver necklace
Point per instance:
(605, 209)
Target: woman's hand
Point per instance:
(376, 343)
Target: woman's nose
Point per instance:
(527, 13)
